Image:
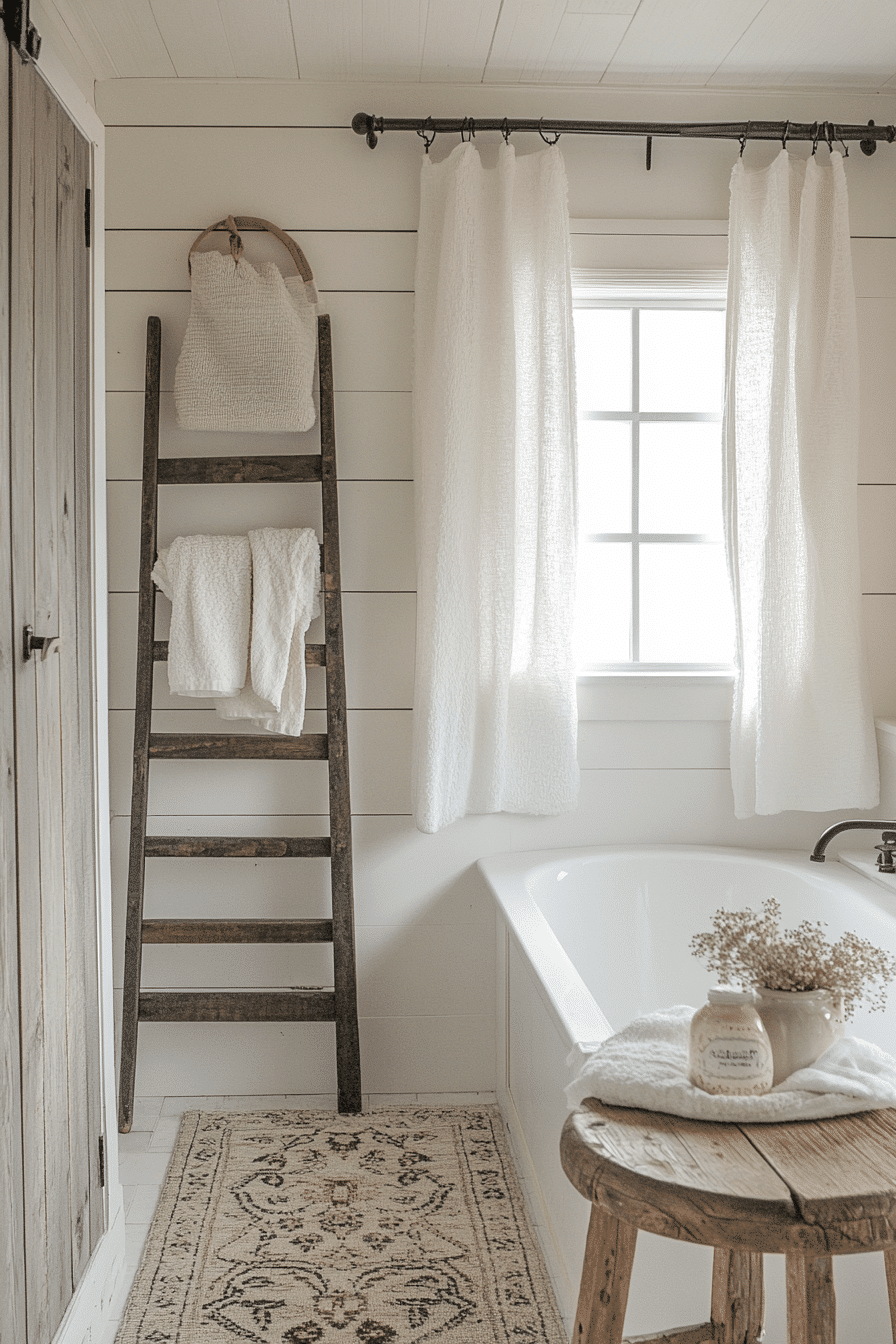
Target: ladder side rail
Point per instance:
(348, 1056)
(142, 728)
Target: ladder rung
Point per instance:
(237, 847)
(315, 654)
(237, 746)
(237, 930)
(209, 1005)
(238, 470)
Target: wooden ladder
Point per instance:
(338, 1004)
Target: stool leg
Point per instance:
(810, 1300)
(890, 1266)
(738, 1296)
(606, 1272)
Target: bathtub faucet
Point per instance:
(887, 848)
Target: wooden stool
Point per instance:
(808, 1190)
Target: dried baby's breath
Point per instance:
(748, 948)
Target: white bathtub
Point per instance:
(589, 939)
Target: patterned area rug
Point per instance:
(305, 1227)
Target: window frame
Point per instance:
(637, 290)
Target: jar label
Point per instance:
(735, 1057)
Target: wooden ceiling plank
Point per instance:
(679, 41)
(458, 39)
(78, 30)
(392, 37)
(260, 38)
(328, 38)
(525, 30)
(128, 31)
(805, 42)
(583, 47)
(195, 38)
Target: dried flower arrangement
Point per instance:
(750, 949)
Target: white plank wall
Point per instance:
(654, 767)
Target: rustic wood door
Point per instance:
(52, 902)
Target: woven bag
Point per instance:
(247, 361)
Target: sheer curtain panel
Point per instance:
(494, 476)
(802, 732)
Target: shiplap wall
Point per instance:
(182, 154)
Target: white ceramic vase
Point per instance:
(800, 1024)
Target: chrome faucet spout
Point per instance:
(818, 855)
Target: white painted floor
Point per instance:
(145, 1152)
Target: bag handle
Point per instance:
(233, 224)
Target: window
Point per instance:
(653, 589)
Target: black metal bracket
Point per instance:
(20, 31)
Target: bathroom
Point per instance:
(177, 153)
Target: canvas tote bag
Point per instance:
(247, 361)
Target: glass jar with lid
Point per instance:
(730, 1053)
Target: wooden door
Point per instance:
(60, 1080)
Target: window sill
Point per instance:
(656, 696)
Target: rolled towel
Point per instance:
(209, 582)
(646, 1066)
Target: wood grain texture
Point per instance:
(237, 930)
(37, 1263)
(133, 947)
(606, 1274)
(270, 1005)
(890, 1270)
(738, 1297)
(348, 1051)
(682, 1334)
(237, 847)
(811, 1307)
(12, 1257)
(238, 470)
(838, 1170)
(236, 747)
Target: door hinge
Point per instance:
(102, 1151)
(86, 216)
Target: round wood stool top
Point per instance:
(813, 1187)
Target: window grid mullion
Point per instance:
(636, 509)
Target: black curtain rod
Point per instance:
(817, 131)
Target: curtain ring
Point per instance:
(839, 135)
(815, 132)
(425, 126)
(829, 135)
(505, 131)
(784, 136)
(544, 137)
(468, 127)
(743, 138)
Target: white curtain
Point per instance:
(494, 476)
(802, 732)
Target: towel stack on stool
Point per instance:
(240, 607)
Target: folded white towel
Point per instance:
(285, 599)
(646, 1066)
(209, 582)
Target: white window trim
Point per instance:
(689, 692)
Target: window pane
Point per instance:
(682, 359)
(685, 604)
(605, 476)
(603, 359)
(681, 477)
(603, 622)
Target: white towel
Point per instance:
(646, 1066)
(285, 599)
(209, 582)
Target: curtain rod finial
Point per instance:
(364, 124)
(868, 146)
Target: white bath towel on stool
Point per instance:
(209, 583)
(646, 1066)
(285, 599)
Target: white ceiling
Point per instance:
(685, 43)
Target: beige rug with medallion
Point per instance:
(305, 1227)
